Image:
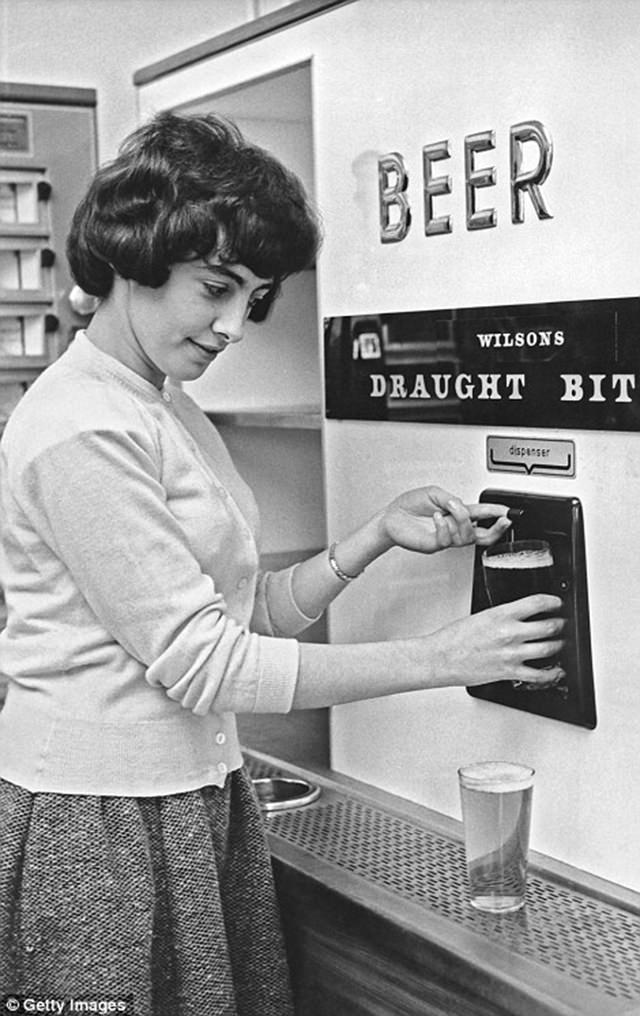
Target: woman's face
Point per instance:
(181, 327)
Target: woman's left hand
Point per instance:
(429, 519)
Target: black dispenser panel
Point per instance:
(559, 521)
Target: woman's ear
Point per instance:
(260, 310)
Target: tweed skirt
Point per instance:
(165, 904)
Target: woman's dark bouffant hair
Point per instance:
(183, 187)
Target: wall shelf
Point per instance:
(28, 296)
(293, 417)
(21, 369)
(34, 230)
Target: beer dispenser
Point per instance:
(559, 521)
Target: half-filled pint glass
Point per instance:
(513, 570)
(496, 812)
(516, 569)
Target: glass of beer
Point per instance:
(516, 569)
(496, 812)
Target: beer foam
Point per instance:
(496, 777)
(520, 559)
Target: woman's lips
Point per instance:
(208, 350)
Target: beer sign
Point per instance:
(569, 365)
(393, 182)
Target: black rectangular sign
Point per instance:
(566, 365)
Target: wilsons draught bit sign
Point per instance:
(574, 365)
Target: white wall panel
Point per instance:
(394, 77)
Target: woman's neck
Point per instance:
(111, 332)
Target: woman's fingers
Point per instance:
(530, 636)
(454, 526)
(541, 677)
(543, 641)
(547, 630)
(485, 512)
(543, 650)
(444, 533)
(494, 522)
(529, 606)
(486, 537)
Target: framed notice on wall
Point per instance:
(16, 133)
(569, 365)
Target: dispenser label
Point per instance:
(572, 365)
(531, 455)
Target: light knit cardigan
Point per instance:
(138, 623)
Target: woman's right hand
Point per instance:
(490, 646)
(494, 644)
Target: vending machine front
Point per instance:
(545, 544)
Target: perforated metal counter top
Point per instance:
(591, 940)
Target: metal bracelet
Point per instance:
(337, 570)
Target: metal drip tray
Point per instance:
(580, 937)
(583, 938)
(279, 793)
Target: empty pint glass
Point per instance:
(496, 812)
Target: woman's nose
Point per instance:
(225, 333)
(230, 321)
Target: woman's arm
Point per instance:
(492, 645)
(98, 504)
(425, 520)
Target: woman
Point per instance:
(132, 860)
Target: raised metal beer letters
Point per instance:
(393, 182)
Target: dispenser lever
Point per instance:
(514, 515)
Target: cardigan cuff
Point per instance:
(286, 616)
(278, 668)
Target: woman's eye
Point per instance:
(217, 292)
